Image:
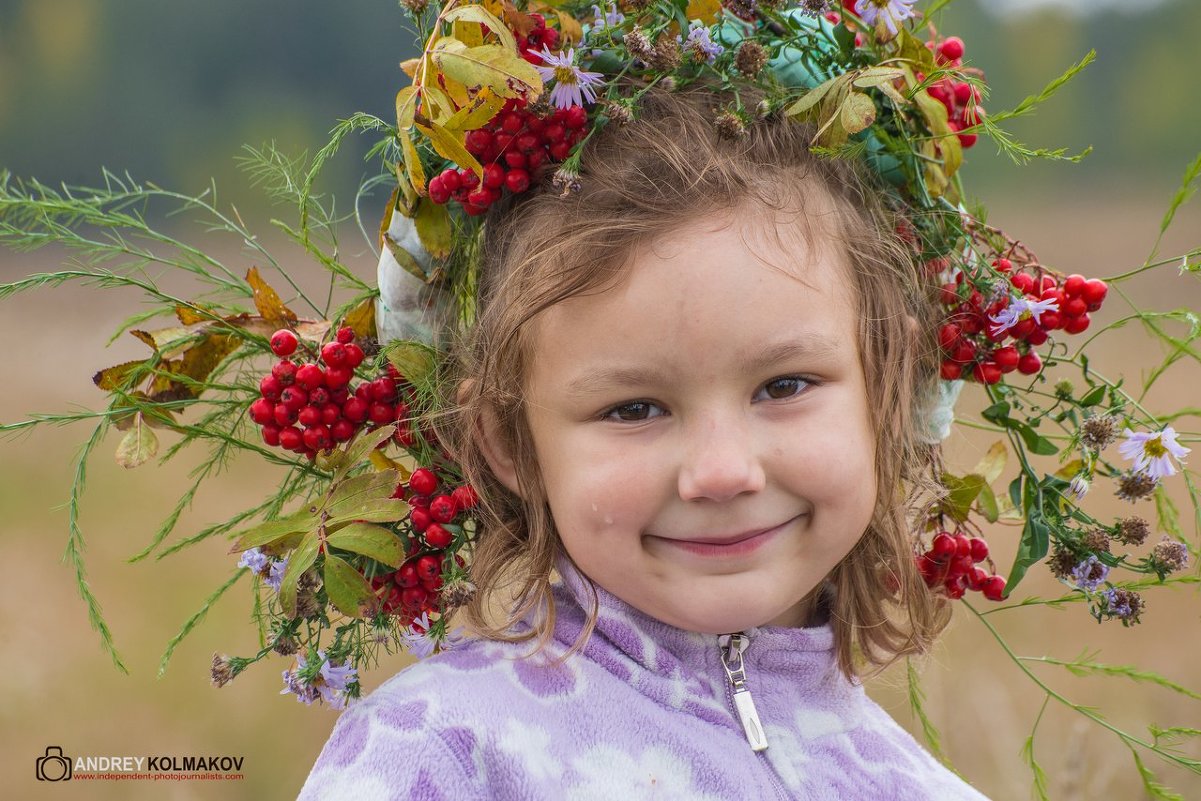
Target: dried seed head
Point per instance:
(1097, 540)
(729, 125)
(566, 182)
(1062, 562)
(457, 593)
(666, 55)
(639, 45)
(1132, 486)
(416, 7)
(1098, 432)
(1133, 531)
(1170, 554)
(810, 8)
(223, 671)
(1064, 390)
(750, 58)
(1123, 604)
(667, 83)
(619, 113)
(286, 645)
(744, 9)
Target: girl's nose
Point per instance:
(720, 461)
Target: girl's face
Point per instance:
(707, 397)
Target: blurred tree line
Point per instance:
(171, 91)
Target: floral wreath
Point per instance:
(367, 542)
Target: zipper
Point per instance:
(731, 647)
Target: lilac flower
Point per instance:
(1149, 452)
(699, 42)
(416, 638)
(329, 684)
(572, 85)
(891, 12)
(254, 559)
(1123, 604)
(276, 576)
(1078, 487)
(1020, 309)
(610, 19)
(1090, 573)
(293, 683)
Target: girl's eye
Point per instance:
(786, 387)
(631, 412)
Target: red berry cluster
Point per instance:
(951, 563)
(512, 147)
(414, 586)
(973, 347)
(308, 407)
(961, 98)
(514, 144)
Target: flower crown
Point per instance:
(367, 543)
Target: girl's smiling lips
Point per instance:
(727, 545)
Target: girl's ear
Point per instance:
(492, 444)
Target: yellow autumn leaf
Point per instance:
(361, 319)
(267, 301)
(413, 169)
(857, 113)
(406, 107)
(467, 32)
(503, 70)
(483, 16)
(704, 10)
(450, 145)
(477, 112)
(409, 65)
(138, 445)
(433, 228)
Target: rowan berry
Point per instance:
(284, 342)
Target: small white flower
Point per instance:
(891, 12)
(572, 85)
(1021, 308)
(1078, 487)
(1150, 451)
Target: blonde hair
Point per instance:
(637, 182)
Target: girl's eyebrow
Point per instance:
(814, 345)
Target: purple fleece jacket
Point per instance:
(645, 711)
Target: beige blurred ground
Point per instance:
(60, 689)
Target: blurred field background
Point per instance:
(171, 92)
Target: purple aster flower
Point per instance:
(1090, 573)
(1149, 452)
(276, 574)
(699, 42)
(572, 85)
(1078, 487)
(293, 683)
(1020, 309)
(416, 638)
(332, 681)
(254, 559)
(891, 12)
(610, 19)
(1126, 605)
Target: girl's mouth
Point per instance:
(738, 546)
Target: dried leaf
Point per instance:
(993, 463)
(368, 539)
(809, 100)
(346, 588)
(134, 402)
(514, 20)
(858, 112)
(704, 10)
(267, 301)
(138, 445)
(194, 313)
(404, 258)
(115, 377)
(477, 112)
(200, 360)
(409, 65)
(433, 228)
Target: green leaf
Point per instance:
(377, 542)
(1035, 542)
(379, 510)
(1037, 444)
(275, 530)
(358, 450)
(414, 360)
(917, 699)
(346, 587)
(196, 619)
(811, 98)
(962, 493)
(988, 504)
(1151, 783)
(1094, 396)
(361, 489)
(997, 413)
(299, 561)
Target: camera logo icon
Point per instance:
(54, 767)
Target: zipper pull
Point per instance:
(731, 646)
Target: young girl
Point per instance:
(692, 392)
